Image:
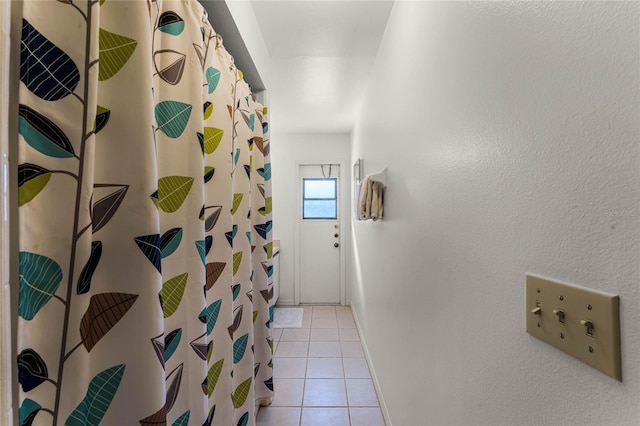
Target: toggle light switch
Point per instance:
(581, 322)
(589, 327)
(560, 314)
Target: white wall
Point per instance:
(288, 150)
(510, 131)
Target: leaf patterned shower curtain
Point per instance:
(145, 220)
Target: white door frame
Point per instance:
(343, 205)
(10, 30)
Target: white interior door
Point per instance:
(320, 234)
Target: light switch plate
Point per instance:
(581, 322)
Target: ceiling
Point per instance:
(321, 53)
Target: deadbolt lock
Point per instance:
(336, 235)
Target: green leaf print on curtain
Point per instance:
(122, 192)
(31, 180)
(115, 51)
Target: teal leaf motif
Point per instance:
(171, 342)
(32, 370)
(265, 172)
(200, 246)
(235, 290)
(100, 393)
(239, 348)
(170, 241)
(45, 69)
(28, 411)
(172, 117)
(213, 78)
(150, 246)
(183, 420)
(43, 134)
(244, 420)
(84, 281)
(171, 23)
(40, 278)
(209, 315)
(204, 247)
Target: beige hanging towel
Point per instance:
(370, 200)
(377, 208)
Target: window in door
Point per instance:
(319, 198)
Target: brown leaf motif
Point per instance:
(214, 270)
(104, 312)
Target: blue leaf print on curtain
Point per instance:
(183, 420)
(171, 23)
(43, 134)
(239, 347)
(45, 69)
(150, 246)
(28, 411)
(209, 315)
(99, 395)
(172, 117)
(40, 277)
(32, 370)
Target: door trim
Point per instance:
(343, 206)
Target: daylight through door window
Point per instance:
(319, 198)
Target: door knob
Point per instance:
(336, 235)
(336, 245)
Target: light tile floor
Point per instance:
(320, 374)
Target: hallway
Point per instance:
(320, 374)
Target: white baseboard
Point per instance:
(284, 302)
(374, 377)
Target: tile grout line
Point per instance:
(342, 367)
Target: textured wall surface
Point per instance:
(511, 135)
(287, 150)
